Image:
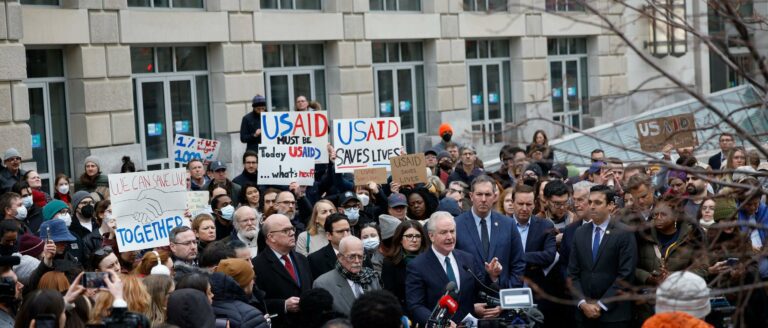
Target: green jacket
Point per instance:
(680, 255)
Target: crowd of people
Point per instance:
(672, 242)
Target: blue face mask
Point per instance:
(353, 214)
(227, 212)
(371, 243)
(27, 201)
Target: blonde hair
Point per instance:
(150, 260)
(158, 287)
(102, 307)
(312, 226)
(136, 295)
(198, 221)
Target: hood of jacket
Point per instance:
(225, 288)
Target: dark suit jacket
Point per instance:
(505, 244)
(716, 160)
(425, 284)
(566, 245)
(322, 261)
(540, 248)
(277, 284)
(604, 278)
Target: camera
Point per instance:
(122, 318)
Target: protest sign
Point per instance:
(375, 174)
(281, 165)
(297, 128)
(186, 148)
(409, 169)
(147, 205)
(678, 130)
(197, 201)
(365, 142)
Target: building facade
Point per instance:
(121, 77)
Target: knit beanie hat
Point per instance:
(25, 268)
(93, 159)
(50, 209)
(685, 292)
(675, 320)
(238, 269)
(444, 128)
(79, 196)
(388, 224)
(677, 174)
(725, 208)
(30, 245)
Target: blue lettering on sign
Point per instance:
(282, 119)
(147, 233)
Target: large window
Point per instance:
(166, 3)
(485, 5)
(40, 2)
(48, 114)
(490, 96)
(171, 97)
(569, 81)
(565, 5)
(398, 69)
(293, 70)
(395, 5)
(291, 4)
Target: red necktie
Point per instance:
(289, 267)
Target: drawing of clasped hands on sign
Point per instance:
(147, 207)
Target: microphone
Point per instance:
(448, 306)
(489, 300)
(439, 311)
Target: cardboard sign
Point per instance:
(186, 148)
(297, 129)
(147, 205)
(409, 169)
(375, 174)
(281, 165)
(679, 130)
(197, 201)
(365, 142)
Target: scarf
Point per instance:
(364, 278)
(408, 257)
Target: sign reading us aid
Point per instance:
(307, 129)
(147, 205)
(281, 165)
(365, 142)
(678, 130)
(186, 148)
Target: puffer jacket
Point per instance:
(230, 301)
(682, 254)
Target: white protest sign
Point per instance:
(365, 142)
(186, 148)
(147, 205)
(309, 129)
(281, 165)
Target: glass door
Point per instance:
(284, 86)
(396, 96)
(50, 135)
(568, 80)
(488, 97)
(166, 106)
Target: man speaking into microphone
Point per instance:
(429, 273)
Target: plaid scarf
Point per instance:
(364, 278)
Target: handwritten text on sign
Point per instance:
(147, 206)
(679, 130)
(362, 143)
(281, 165)
(409, 169)
(298, 129)
(186, 148)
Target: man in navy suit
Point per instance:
(429, 273)
(717, 161)
(489, 235)
(602, 263)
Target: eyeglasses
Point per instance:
(187, 243)
(63, 211)
(412, 237)
(286, 231)
(104, 251)
(558, 204)
(354, 257)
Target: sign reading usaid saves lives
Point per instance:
(365, 142)
(307, 129)
(147, 205)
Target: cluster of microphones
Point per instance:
(445, 308)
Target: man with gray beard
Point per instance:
(246, 228)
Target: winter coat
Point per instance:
(682, 253)
(229, 301)
(459, 175)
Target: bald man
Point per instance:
(280, 272)
(246, 228)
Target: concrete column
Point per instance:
(14, 99)
(530, 87)
(607, 67)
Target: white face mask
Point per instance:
(227, 212)
(364, 199)
(371, 243)
(27, 201)
(21, 212)
(63, 189)
(66, 218)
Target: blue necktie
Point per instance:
(449, 271)
(595, 244)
